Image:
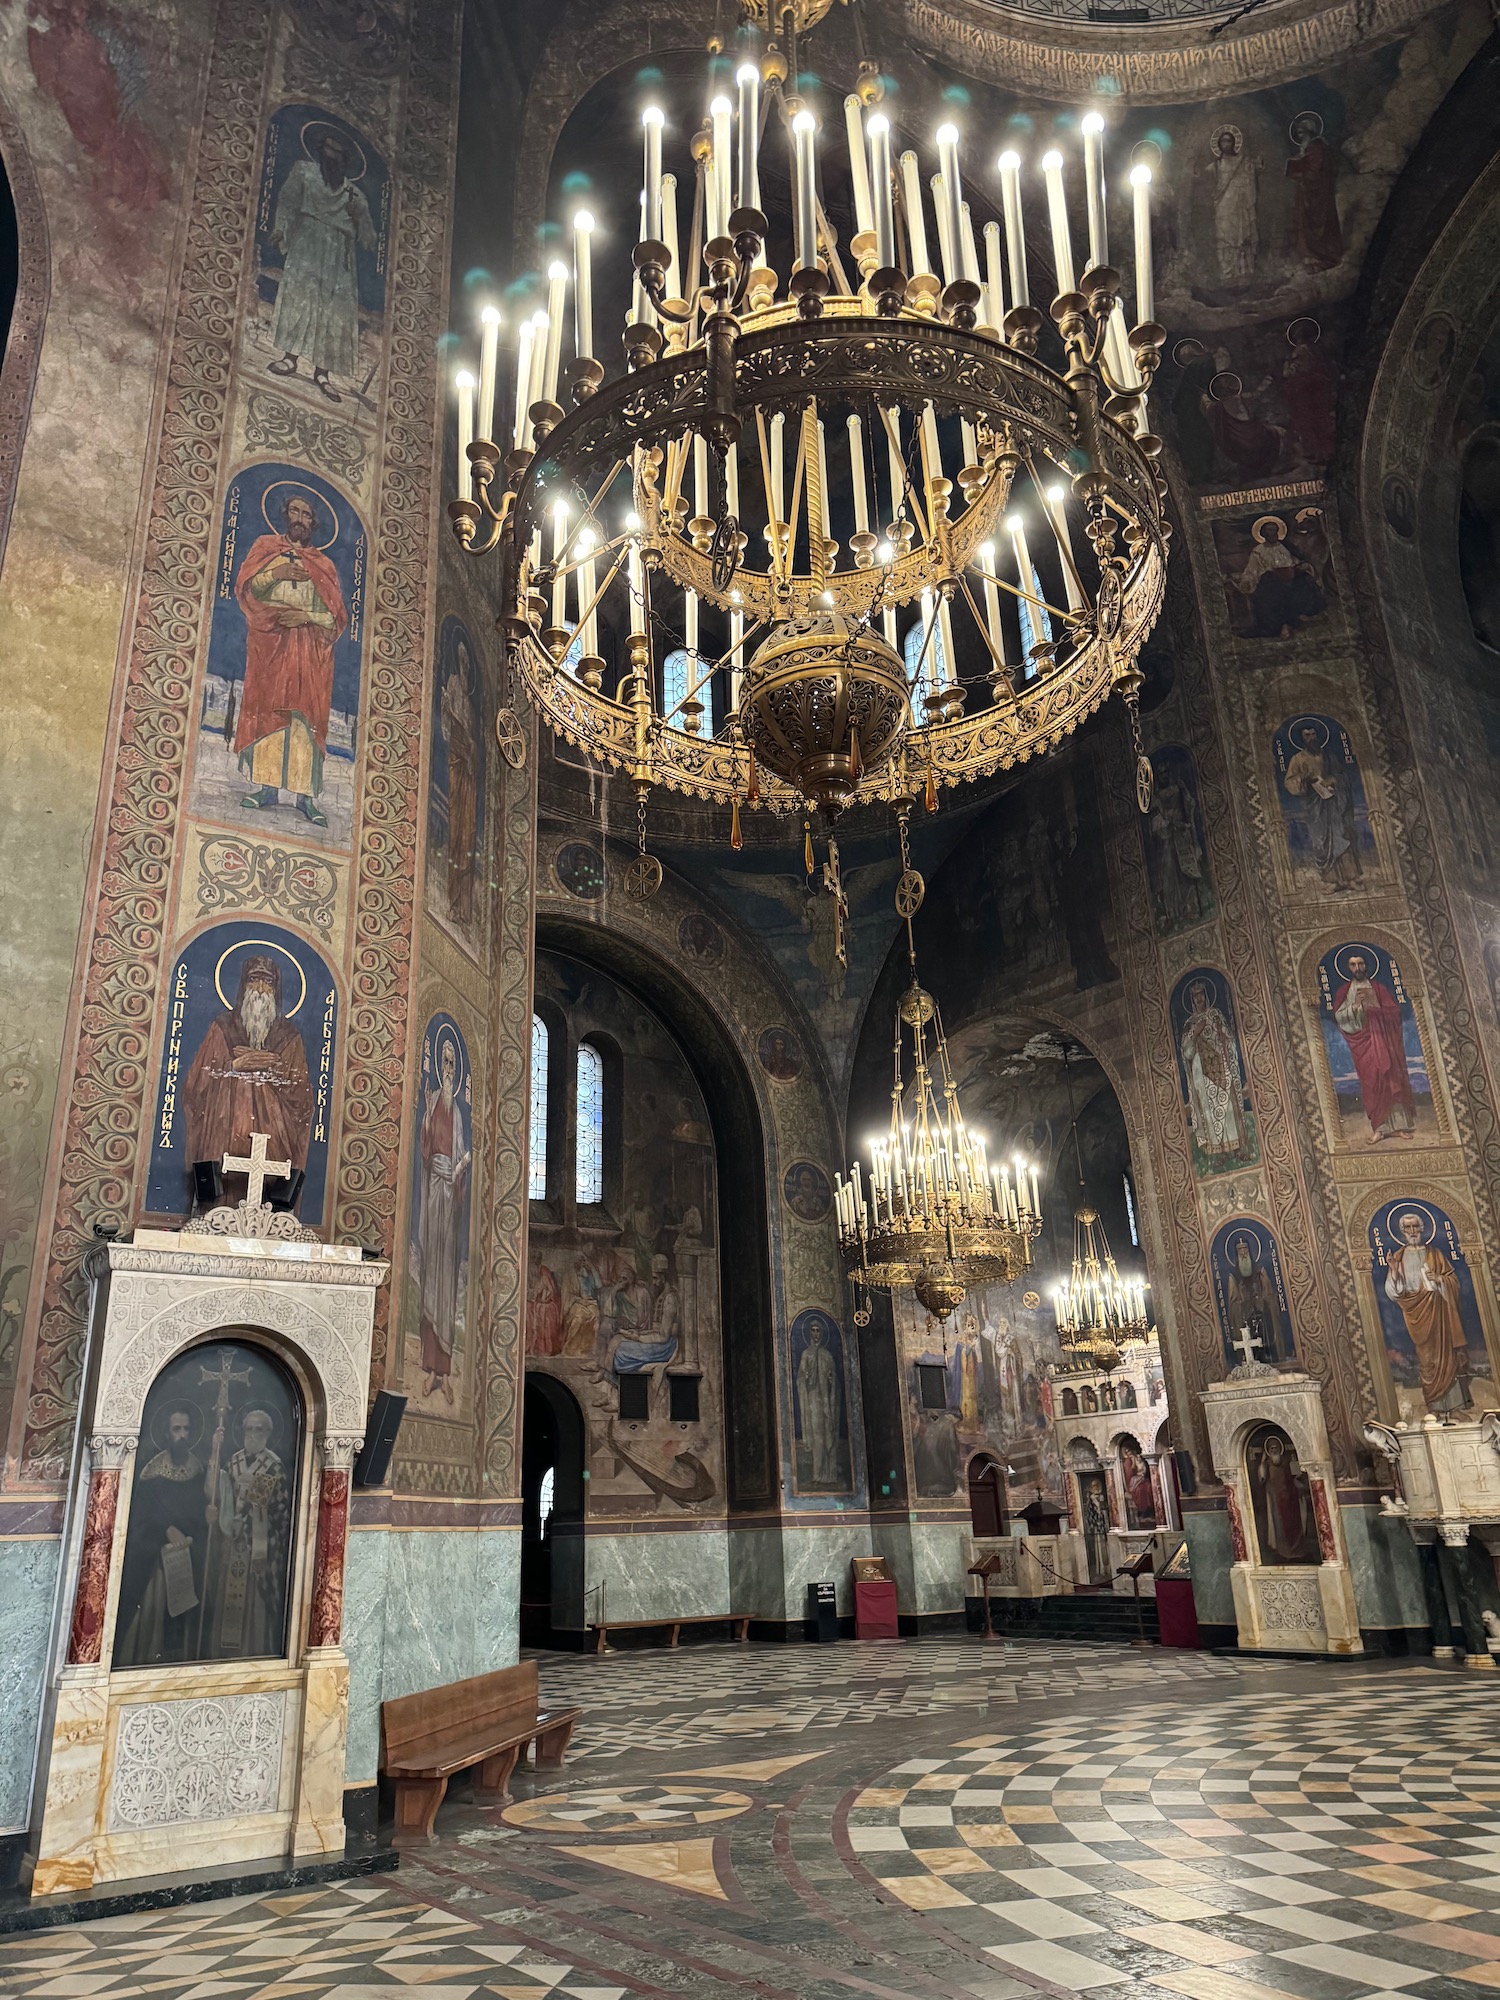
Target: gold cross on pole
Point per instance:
(257, 1169)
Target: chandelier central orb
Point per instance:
(824, 704)
(864, 524)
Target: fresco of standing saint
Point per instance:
(455, 795)
(276, 737)
(321, 230)
(1374, 1051)
(1211, 1069)
(1424, 1290)
(440, 1205)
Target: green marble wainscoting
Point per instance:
(28, 1580)
(423, 1607)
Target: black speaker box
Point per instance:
(283, 1195)
(374, 1460)
(1187, 1478)
(208, 1183)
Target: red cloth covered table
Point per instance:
(875, 1611)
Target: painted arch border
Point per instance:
(1455, 1199)
(1403, 949)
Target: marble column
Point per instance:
(91, 1597)
(1456, 1558)
(318, 1823)
(63, 1857)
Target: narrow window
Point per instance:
(933, 1385)
(589, 1184)
(1135, 1234)
(536, 1179)
(674, 685)
(635, 1398)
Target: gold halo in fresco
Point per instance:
(626, 1809)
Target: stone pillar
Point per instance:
(63, 1857)
(318, 1826)
(1456, 1560)
(91, 1597)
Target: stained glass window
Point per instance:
(925, 664)
(536, 1185)
(674, 684)
(1036, 624)
(590, 1173)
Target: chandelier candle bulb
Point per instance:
(946, 666)
(747, 76)
(992, 602)
(1093, 177)
(778, 466)
(1015, 227)
(1025, 574)
(587, 584)
(952, 197)
(637, 574)
(489, 354)
(732, 480)
(994, 309)
(971, 253)
(464, 382)
(524, 340)
(1057, 216)
(897, 468)
(677, 282)
(857, 475)
(652, 119)
(736, 653)
(804, 126)
(879, 129)
(946, 256)
(560, 575)
(1055, 500)
(689, 634)
(864, 217)
(932, 450)
(540, 342)
(1036, 1205)
(721, 118)
(583, 286)
(1145, 290)
(916, 226)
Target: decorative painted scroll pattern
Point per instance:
(106, 1121)
(385, 872)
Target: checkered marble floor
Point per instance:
(351, 1941)
(663, 1700)
(1327, 1849)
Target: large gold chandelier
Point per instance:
(707, 557)
(934, 1214)
(1097, 1310)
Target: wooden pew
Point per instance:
(487, 1721)
(739, 1626)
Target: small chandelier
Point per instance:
(1096, 1308)
(935, 1216)
(897, 397)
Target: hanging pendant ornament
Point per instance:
(643, 876)
(911, 893)
(1129, 680)
(510, 734)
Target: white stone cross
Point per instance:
(1245, 1345)
(257, 1168)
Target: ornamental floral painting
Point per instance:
(278, 720)
(251, 1017)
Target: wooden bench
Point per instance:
(487, 1721)
(740, 1627)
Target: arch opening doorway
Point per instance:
(552, 1518)
(986, 1497)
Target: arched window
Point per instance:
(589, 1180)
(675, 684)
(926, 664)
(536, 1178)
(1036, 624)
